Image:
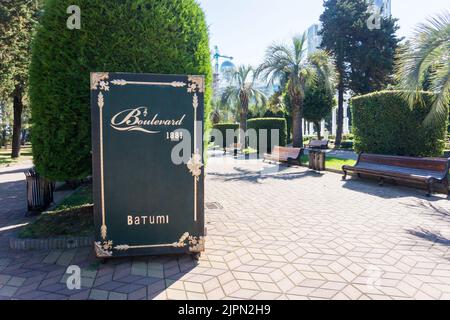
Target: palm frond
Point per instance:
(427, 50)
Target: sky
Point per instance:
(245, 28)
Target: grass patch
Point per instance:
(249, 151)
(73, 217)
(25, 155)
(81, 197)
(331, 162)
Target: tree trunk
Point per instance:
(340, 114)
(3, 142)
(17, 127)
(297, 127)
(243, 129)
(319, 134)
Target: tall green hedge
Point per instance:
(384, 123)
(142, 36)
(269, 124)
(223, 127)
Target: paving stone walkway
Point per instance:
(288, 234)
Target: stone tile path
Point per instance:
(290, 234)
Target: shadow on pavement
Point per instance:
(389, 190)
(259, 176)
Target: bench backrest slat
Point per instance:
(284, 153)
(318, 143)
(431, 164)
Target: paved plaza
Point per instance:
(272, 234)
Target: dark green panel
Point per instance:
(146, 203)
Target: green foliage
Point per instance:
(423, 64)
(268, 124)
(364, 57)
(17, 22)
(347, 144)
(241, 92)
(223, 127)
(290, 66)
(142, 36)
(318, 103)
(385, 124)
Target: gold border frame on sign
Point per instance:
(196, 84)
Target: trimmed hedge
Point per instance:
(268, 124)
(384, 123)
(223, 127)
(138, 36)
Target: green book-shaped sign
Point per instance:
(147, 138)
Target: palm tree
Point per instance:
(241, 92)
(426, 59)
(289, 64)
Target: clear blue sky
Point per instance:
(244, 28)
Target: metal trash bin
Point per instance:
(39, 191)
(316, 160)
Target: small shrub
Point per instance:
(349, 136)
(268, 124)
(384, 123)
(347, 144)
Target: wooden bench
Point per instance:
(318, 144)
(428, 171)
(285, 155)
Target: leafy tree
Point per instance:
(319, 103)
(364, 58)
(241, 92)
(5, 121)
(216, 115)
(319, 96)
(17, 23)
(142, 36)
(424, 64)
(289, 63)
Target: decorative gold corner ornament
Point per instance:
(101, 101)
(194, 165)
(175, 84)
(180, 244)
(196, 244)
(104, 249)
(196, 84)
(100, 80)
(195, 103)
(104, 231)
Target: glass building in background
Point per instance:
(385, 6)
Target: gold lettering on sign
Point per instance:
(147, 220)
(102, 83)
(139, 118)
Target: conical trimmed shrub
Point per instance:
(142, 36)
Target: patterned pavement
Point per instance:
(291, 234)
